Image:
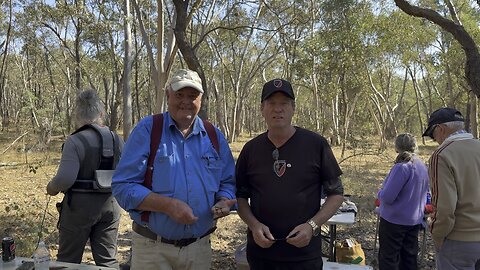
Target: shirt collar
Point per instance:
(457, 132)
(458, 136)
(197, 124)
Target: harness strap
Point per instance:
(212, 134)
(155, 137)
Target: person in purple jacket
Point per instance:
(402, 204)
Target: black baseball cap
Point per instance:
(440, 116)
(277, 85)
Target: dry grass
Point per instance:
(24, 175)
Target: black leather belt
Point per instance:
(146, 232)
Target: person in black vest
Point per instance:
(280, 175)
(88, 210)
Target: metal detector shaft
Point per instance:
(376, 235)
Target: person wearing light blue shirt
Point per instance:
(192, 184)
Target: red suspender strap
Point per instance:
(155, 136)
(212, 134)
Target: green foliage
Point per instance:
(345, 58)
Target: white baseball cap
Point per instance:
(185, 78)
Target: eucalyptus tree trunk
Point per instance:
(471, 121)
(335, 139)
(127, 98)
(220, 109)
(146, 40)
(186, 49)
(316, 101)
(349, 105)
(77, 45)
(3, 71)
(219, 91)
(165, 59)
(420, 97)
(159, 69)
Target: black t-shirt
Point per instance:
(286, 192)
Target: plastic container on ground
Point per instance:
(41, 257)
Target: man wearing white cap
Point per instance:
(454, 171)
(192, 182)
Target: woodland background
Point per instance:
(362, 71)
(359, 68)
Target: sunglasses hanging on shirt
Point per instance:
(279, 166)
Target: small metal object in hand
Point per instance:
(280, 239)
(285, 239)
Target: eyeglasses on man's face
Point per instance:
(433, 130)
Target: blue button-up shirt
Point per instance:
(188, 169)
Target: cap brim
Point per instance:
(183, 84)
(428, 131)
(277, 91)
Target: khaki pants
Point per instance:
(150, 254)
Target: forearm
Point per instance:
(175, 209)
(245, 213)
(154, 202)
(328, 209)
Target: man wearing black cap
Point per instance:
(282, 173)
(455, 181)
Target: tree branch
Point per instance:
(21, 136)
(472, 65)
(202, 38)
(453, 12)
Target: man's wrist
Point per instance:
(221, 199)
(315, 227)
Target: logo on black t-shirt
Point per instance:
(279, 167)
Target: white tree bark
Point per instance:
(127, 96)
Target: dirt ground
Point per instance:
(28, 214)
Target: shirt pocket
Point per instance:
(213, 170)
(163, 182)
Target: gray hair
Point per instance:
(89, 109)
(406, 145)
(455, 125)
